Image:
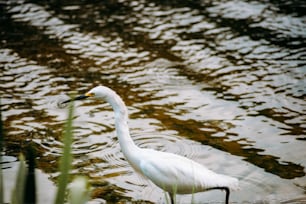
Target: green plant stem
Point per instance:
(66, 159)
(18, 191)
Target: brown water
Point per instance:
(220, 82)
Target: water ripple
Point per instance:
(212, 81)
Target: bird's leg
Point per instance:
(227, 191)
(171, 198)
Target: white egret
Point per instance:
(173, 173)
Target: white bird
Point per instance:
(173, 173)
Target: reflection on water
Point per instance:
(220, 82)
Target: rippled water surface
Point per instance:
(220, 82)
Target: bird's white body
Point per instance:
(180, 175)
(173, 173)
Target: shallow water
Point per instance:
(220, 82)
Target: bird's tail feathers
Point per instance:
(226, 181)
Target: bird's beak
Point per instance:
(78, 98)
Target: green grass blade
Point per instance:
(79, 190)
(66, 159)
(18, 191)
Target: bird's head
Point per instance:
(99, 92)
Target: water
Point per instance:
(220, 82)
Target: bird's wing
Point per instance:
(178, 174)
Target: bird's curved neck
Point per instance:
(121, 123)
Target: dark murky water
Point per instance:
(221, 82)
